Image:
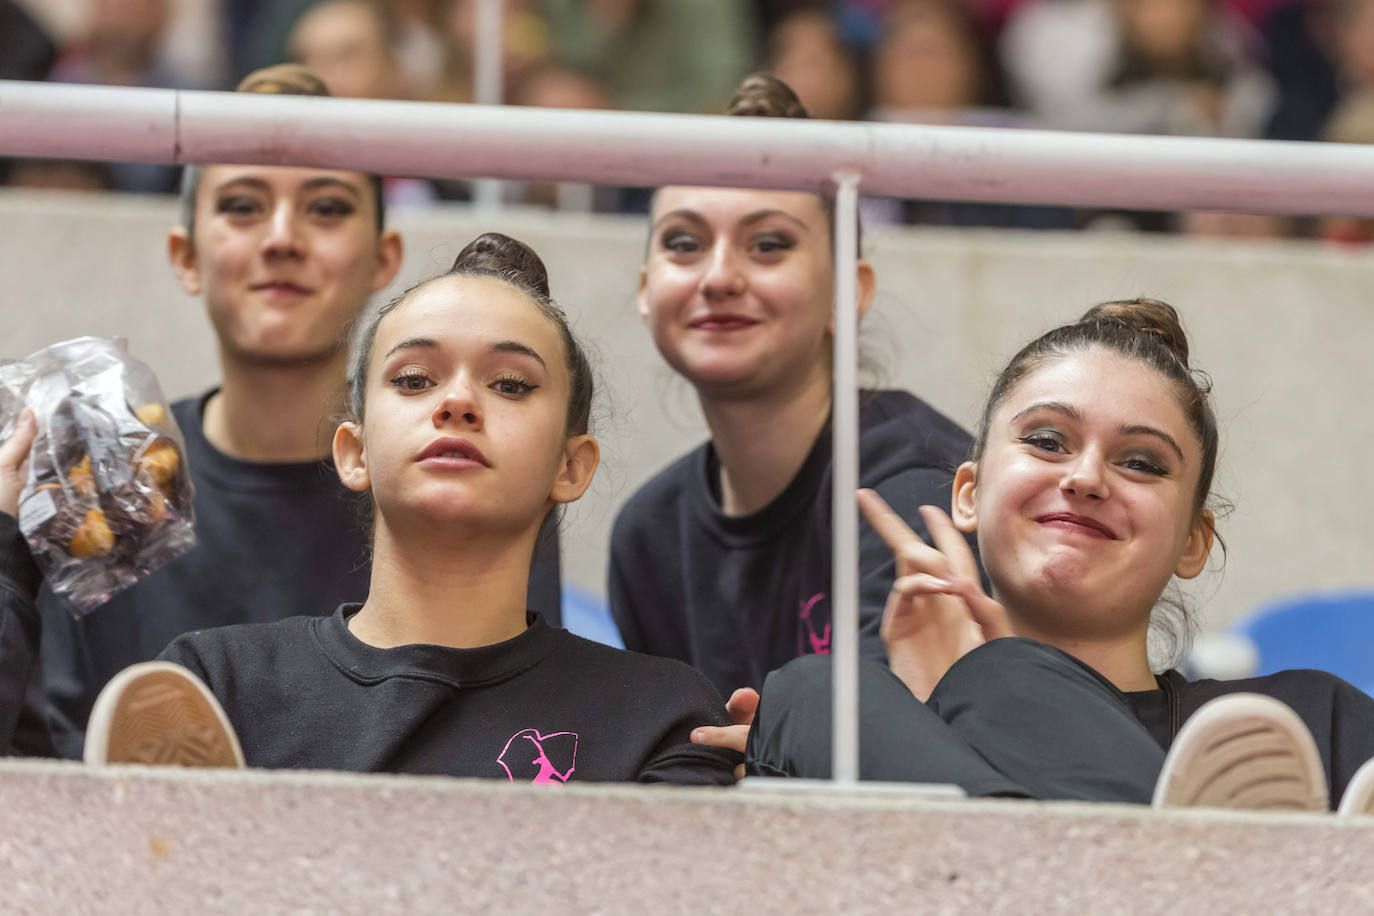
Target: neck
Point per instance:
(762, 442)
(1122, 659)
(430, 588)
(276, 412)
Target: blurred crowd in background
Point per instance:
(1282, 69)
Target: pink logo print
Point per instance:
(819, 642)
(530, 757)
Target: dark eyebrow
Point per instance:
(325, 181)
(515, 346)
(680, 213)
(759, 215)
(1068, 410)
(314, 184)
(413, 342)
(756, 216)
(1157, 433)
(256, 184)
(501, 346)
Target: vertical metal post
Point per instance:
(488, 53)
(844, 577)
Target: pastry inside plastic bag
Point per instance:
(108, 498)
(93, 536)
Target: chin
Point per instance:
(282, 354)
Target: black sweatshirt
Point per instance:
(275, 540)
(1339, 715)
(737, 596)
(543, 707)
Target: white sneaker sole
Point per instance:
(161, 714)
(1243, 751)
(1359, 792)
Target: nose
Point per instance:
(459, 407)
(723, 275)
(1085, 476)
(283, 233)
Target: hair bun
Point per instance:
(283, 79)
(762, 95)
(1145, 316)
(503, 256)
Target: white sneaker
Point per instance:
(1243, 751)
(159, 713)
(1359, 792)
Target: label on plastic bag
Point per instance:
(36, 510)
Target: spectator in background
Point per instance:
(1141, 66)
(416, 27)
(122, 47)
(806, 52)
(655, 55)
(554, 87)
(1136, 66)
(350, 45)
(1179, 70)
(933, 66)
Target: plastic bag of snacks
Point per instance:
(108, 498)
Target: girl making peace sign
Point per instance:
(1088, 492)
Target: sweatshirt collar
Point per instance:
(458, 668)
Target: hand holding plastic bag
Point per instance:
(107, 498)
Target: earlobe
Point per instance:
(389, 253)
(350, 458)
(866, 283)
(181, 255)
(642, 300)
(867, 286)
(580, 459)
(964, 501)
(1199, 546)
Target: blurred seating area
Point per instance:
(1281, 69)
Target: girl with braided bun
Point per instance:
(469, 400)
(1089, 493)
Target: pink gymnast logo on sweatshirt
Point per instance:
(810, 641)
(542, 760)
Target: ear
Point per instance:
(182, 256)
(1198, 546)
(866, 284)
(580, 457)
(350, 458)
(964, 504)
(642, 301)
(389, 253)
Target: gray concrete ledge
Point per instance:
(132, 840)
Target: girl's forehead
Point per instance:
(462, 310)
(1100, 384)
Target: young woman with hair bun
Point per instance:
(723, 560)
(469, 400)
(1088, 492)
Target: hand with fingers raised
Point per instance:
(14, 461)
(937, 610)
(742, 705)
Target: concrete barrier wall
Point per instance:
(130, 840)
(1285, 330)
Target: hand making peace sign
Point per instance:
(937, 610)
